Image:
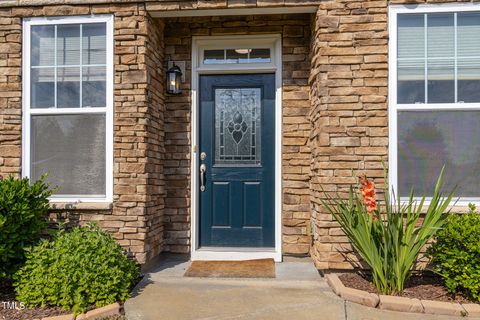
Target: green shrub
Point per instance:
(388, 240)
(75, 270)
(456, 253)
(23, 210)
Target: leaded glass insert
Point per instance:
(238, 126)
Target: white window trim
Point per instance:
(200, 43)
(108, 110)
(393, 107)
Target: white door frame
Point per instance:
(199, 44)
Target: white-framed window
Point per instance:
(434, 98)
(68, 105)
(237, 53)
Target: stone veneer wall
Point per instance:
(349, 88)
(346, 122)
(349, 112)
(296, 127)
(136, 217)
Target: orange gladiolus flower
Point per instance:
(368, 192)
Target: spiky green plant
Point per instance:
(389, 241)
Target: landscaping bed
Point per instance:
(424, 287)
(7, 295)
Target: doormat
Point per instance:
(261, 268)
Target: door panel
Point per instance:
(221, 204)
(252, 192)
(237, 137)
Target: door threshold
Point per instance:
(235, 254)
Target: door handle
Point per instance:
(203, 170)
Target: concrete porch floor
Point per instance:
(298, 292)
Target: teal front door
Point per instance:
(237, 160)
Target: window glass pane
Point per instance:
(468, 34)
(468, 52)
(440, 53)
(440, 35)
(71, 149)
(411, 36)
(411, 81)
(42, 88)
(237, 55)
(441, 81)
(259, 55)
(214, 56)
(94, 43)
(94, 87)
(68, 44)
(42, 51)
(428, 140)
(240, 55)
(411, 59)
(468, 71)
(68, 87)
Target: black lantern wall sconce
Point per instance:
(174, 78)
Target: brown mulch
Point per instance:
(7, 295)
(427, 287)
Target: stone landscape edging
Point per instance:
(110, 310)
(401, 304)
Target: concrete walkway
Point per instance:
(297, 293)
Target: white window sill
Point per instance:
(460, 206)
(81, 205)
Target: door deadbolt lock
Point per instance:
(203, 156)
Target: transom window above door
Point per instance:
(237, 53)
(226, 56)
(68, 105)
(434, 98)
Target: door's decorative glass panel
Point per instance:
(237, 126)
